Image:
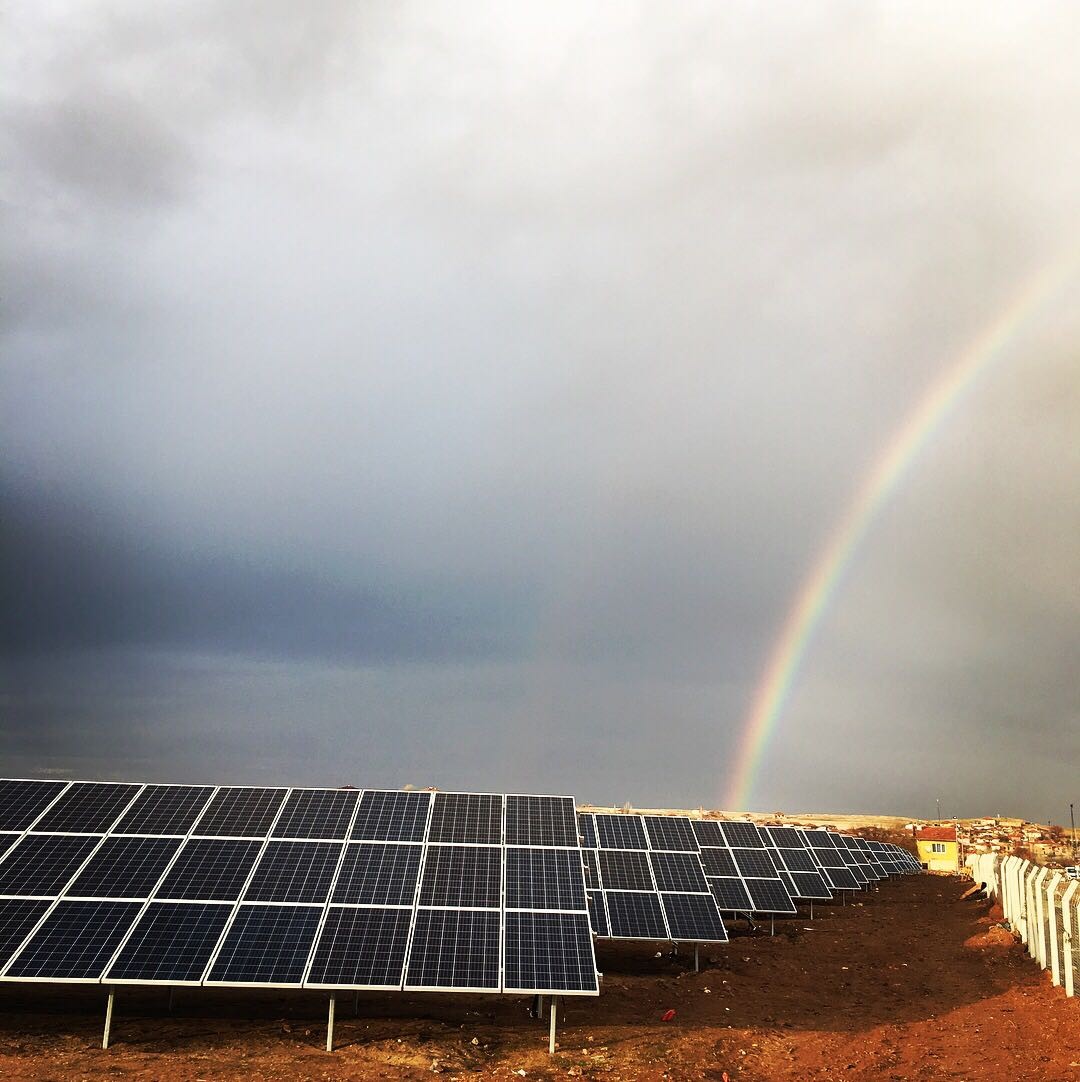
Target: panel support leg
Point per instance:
(697, 961)
(356, 1005)
(172, 997)
(330, 1024)
(772, 925)
(811, 907)
(551, 1028)
(108, 1018)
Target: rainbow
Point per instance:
(817, 590)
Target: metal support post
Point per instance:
(697, 965)
(772, 925)
(551, 1029)
(172, 997)
(108, 1018)
(330, 1024)
(356, 1004)
(811, 908)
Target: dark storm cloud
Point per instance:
(466, 393)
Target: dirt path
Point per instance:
(913, 983)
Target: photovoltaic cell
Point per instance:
(693, 918)
(707, 832)
(6, 842)
(172, 943)
(549, 951)
(587, 831)
(592, 876)
(731, 895)
(769, 896)
(124, 868)
(625, 870)
(240, 812)
(361, 948)
(466, 817)
(42, 864)
(385, 815)
(17, 918)
(598, 914)
(620, 832)
(754, 862)
(378, 874)
(21, 802)
(87, 807)
(267, 944)
(671, 832)
(317, 813)
(75, 942)
(544, 879)
(462, 875)
(718, 861)
(455, 948)
(294, 872)
(541, 820)
(635, 915)
(210, 869)
(741, 835)
(680, 872)
(165, 809)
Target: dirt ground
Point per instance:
(910, 982)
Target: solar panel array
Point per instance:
(646, 880)
(314, 888)
(795, 864)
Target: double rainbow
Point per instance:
(820, 586)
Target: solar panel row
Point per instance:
(645, 879)
(269, 886)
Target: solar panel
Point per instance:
(170, 944)
(390, 816)
(258, 886)
(474, 818)
(17, 919)
(361, 948)
(751, 876)
(455, 949)
(240, 812)
(694, 918)
(267, 944)
(671, 832)
(795, 864)
(317, 813)
(625, 869)
(87, 807)
(592, 873)
(378, 874)
(678, 872)
(294, 872)
(124, 868)
(165, 809)
(210, 870)
(544, 879)
(541, 820)
(462, 875)
(620, 832)
(587, 831)
(41, 865)
(549, 952)
(75, 942)
(598, 915)
(21, 802)
(833, 867)
(635, 915)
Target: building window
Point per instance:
(937, 847)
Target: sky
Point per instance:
(458, 395)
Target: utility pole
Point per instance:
(939, 811)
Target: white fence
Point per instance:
(1041, 906)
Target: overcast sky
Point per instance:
(458, 394)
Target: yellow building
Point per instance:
(939, 851)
